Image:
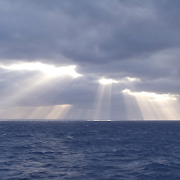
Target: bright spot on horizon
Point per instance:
(100, 120)
(48, 70)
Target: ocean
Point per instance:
(90, 150)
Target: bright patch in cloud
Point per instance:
(132, 79)
(48, 70)
(123, 80)
(107, 81)
(152, 95)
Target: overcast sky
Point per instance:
(120, 59)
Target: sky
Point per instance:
(90, 60)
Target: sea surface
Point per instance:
(87, 150)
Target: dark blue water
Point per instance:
(89, 150)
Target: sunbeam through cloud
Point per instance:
(153, 106)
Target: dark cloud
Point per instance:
(85, 31)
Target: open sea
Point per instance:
(89, 150)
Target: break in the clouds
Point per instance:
(83, 59)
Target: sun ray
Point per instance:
(155, 106)
(42, 112)
(132, 108)
(33, 83)
(59, 112)
(102, 103)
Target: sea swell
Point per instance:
(90, 150)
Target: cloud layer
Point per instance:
(104, 39)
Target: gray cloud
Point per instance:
(85, 31)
